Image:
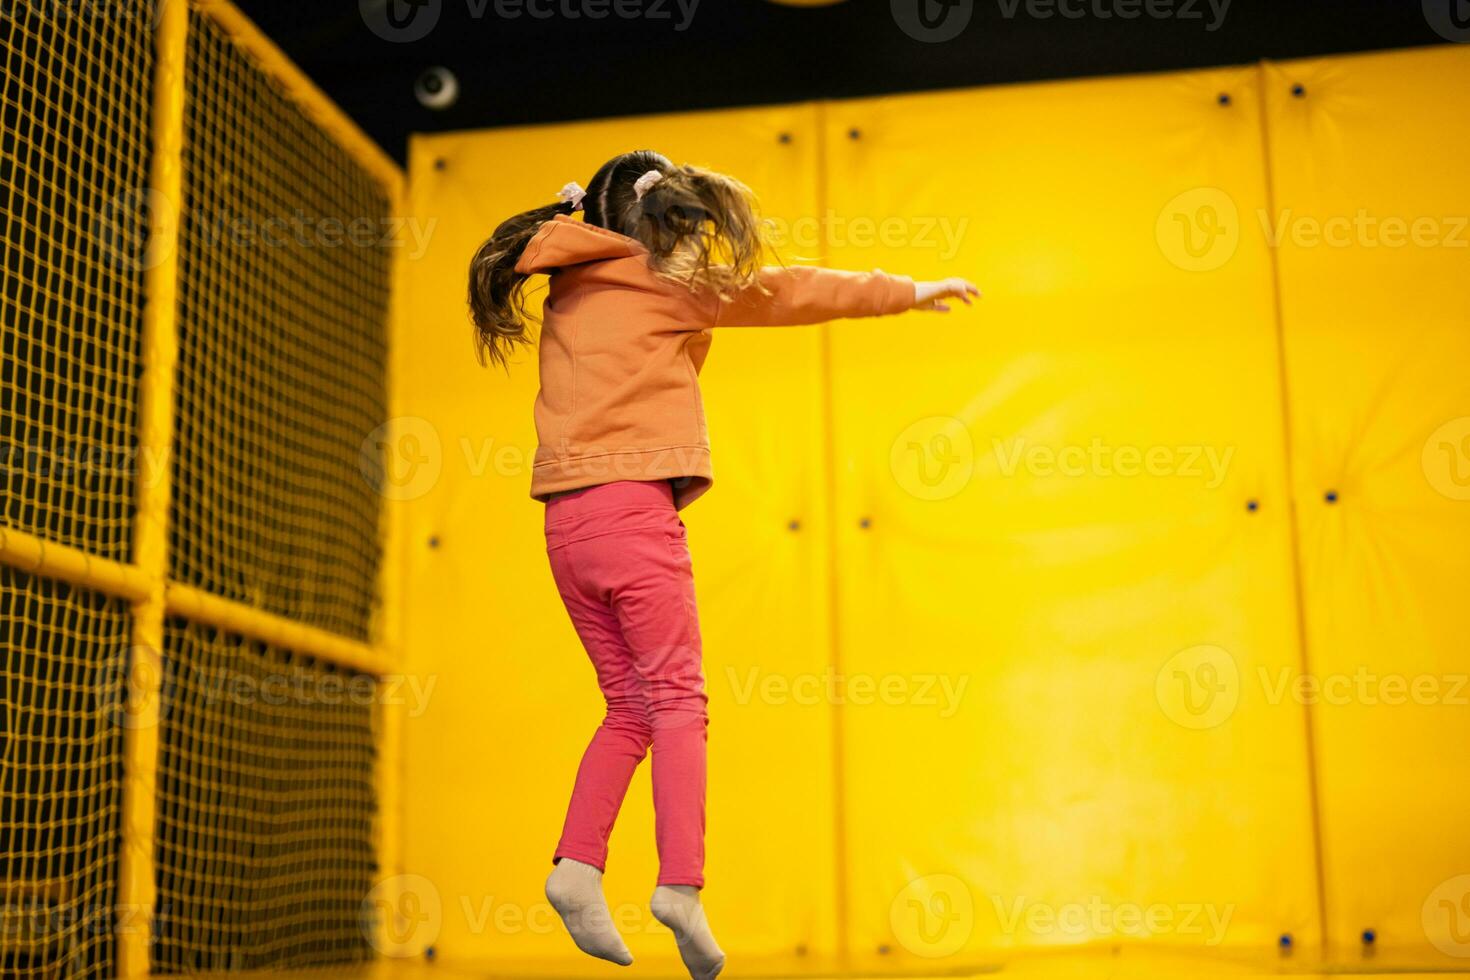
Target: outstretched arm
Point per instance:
(804, 294)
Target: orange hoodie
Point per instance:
(621, 351)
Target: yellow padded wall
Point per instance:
(1371, 198)
(491, 761)
(1045, 544)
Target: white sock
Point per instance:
(575, 891)
(678, 907)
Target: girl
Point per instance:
(661, 255)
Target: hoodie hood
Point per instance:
(565, 241)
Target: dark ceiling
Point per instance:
(529, 61)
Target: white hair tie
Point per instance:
(573, 192)
(642, 184)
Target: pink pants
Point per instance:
(621, 563)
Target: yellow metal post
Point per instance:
(136, 888)
(387, 633)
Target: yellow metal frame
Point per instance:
(143, 581)
(137, 890)
(304, 92)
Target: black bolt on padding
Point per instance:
(1299, 90)
(793, 525)
(883, 950)
(441, 164)
(1285, 941)
(433, 541)
(1252, 505)
(1332, 496)
(1369, 937)
(854, 133)
(1224, 98)
(865, 523)
(430, 952)
(784, 137)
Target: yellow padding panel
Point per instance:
(73, 162)
(284, 265)
(514, 692)
(62, 655)
(1371, 210)
(265, 807)
(1045, 540)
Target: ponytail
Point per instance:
(497, 305)
(702, 230)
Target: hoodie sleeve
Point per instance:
(805, 294)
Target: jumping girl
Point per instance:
(662, 254)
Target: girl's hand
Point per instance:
(931, 295)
